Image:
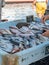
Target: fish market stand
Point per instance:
(26, 56)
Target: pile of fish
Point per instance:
(15, 39)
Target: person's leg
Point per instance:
(39, 10)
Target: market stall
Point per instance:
(21, 39)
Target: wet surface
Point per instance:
(17, 11)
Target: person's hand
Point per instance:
(46, 33)
(46, 1)
(44, 18)
(34, 2)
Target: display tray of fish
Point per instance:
(24, 31)
(16, 39)
(12, 44)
